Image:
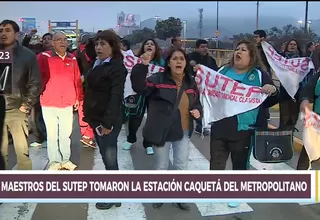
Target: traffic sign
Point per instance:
(217, 33)
(27, 24)
(63, 24)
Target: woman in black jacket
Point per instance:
(289, 108)
(173, 104)
(309, 94)
(103, 99)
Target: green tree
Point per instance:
(276, 36)
(139, 36)
(168, 28)
(243, 36)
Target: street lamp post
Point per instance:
(306, 18)
(217, 32)
(257, 16)
(184, 33)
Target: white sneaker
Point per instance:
(55, 166)
(149, 151)
(69, 166)
(35, 144)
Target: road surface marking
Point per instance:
(198, 162)
(24, 211)
(128, 211)
(272, 166)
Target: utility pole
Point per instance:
(257, 16)
(217, 31)
(200, 22)
(306, 18)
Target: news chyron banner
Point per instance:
(6, 65)
(164, 186)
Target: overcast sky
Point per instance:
(102, 15)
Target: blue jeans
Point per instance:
(180, 154)
(59, 123)
(108, 146)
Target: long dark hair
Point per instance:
(113, 40)
(157, 53)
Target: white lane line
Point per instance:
(272, 166)
(19, 211)
(128, 211)
(198, 162)
(24, 211)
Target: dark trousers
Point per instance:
(199, 125)
(2, 116)
(303, 162)
(220, 150)
(109, 148)
(37, 124)
(134, 123)
(289, 113)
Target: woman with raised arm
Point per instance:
(173, 105)
(135, 119)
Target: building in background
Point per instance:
(127, 23)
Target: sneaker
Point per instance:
(35, 144)
(44, 145)
(55, 166)
(149, 151)
(233, 204)
(126, 145)
(69, 166)
(88, 142)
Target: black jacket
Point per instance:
(308, 92)
(264, 59)
(207, 61)
(37, 48)
(161, 92)
(104, 94)
(25, 82)
(227, 128)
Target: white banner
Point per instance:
(129, 61)
(290, 72)
(311, 135)
(223, 97)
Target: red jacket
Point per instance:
(82, 47)
(61, 83)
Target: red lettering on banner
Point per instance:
(129, 61)
(152, 68)
(302, 63)
(295, 64)
(139, 61)
(215, 83)
(235, 87)
(277, 57)
(226, 81)
(198, 79)
(253, 90)
(271, 50)
(161, 69)
(305, 64)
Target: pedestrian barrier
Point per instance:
(221, 56)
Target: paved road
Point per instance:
(89, 159)
(275, 121)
